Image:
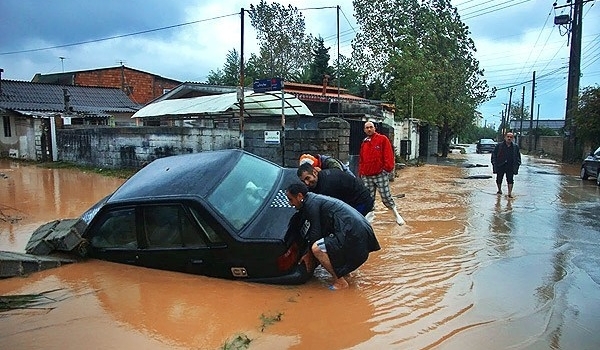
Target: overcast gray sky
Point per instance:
(513, 39)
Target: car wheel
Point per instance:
(583, 174)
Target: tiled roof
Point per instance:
(23, 95)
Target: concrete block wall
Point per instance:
(552, 145)
(133, 147)
(331, 138)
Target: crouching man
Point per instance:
(339, 237)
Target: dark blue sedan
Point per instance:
(217, 213)
(591, 166)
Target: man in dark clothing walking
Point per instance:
(506, 159)
(337, 184)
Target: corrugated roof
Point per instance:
(23, 95)
(542, 123)
(255, 104)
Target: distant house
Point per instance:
(191, 104)
(141, 87)
(31, 113)
(552, 124)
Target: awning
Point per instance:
(255, 104)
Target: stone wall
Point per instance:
(551, 145)
(132, 147)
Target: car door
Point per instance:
(596, 162)
(113, 236)
(174, 238)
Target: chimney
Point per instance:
(325, 83)
(67, 100)
(1, 71)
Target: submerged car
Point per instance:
(485, 145)
(591, 166)
(216, 213)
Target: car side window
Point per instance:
(116, 230)
(207, 229)
(168, 226)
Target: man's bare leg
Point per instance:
(338, 283)
(510, 187)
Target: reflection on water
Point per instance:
(469, 270)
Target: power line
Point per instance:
(116, 36)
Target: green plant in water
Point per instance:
(25, 301)
(239, 342)
(269, 320)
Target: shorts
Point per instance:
(321, 244)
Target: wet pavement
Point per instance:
(470, 270)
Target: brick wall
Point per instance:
(141, 87)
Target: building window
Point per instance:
(6, 126)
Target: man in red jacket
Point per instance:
(376, 162)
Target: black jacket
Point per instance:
(349, 238)
(503, 155)
(341, 185)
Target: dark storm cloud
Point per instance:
(26, 23)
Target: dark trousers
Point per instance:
(500, 171)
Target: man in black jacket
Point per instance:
(337, 184)
(340, 239)
(506, 159)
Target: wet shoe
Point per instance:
(370, 216)
(399, 220)
(499, 192)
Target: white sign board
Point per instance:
(272, 137)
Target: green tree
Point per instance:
(424, 58)
(320, 62)
(350, 77)
(587, 116)
(516, 113)
(230, 74)
(284, 48)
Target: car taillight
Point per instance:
(288, 259)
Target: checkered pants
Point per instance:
(381, 182)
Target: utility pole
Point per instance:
(507, 113)
(339, 104)
(522, 115)
(241, 91)
(531, 120)
(570, 142)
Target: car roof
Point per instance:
(186, 175)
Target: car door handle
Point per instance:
(132, 261)
(197, 261)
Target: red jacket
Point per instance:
(376, 155)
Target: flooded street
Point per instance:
(469, 270)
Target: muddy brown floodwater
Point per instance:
(417, 292)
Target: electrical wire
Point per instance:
(116, 36)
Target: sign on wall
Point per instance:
(272, 137)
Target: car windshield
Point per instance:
(243, 191)
(486, 141)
